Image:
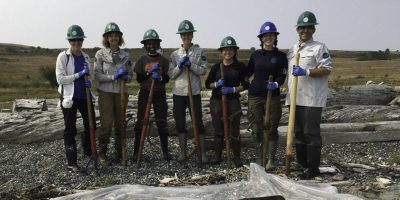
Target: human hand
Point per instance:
(85, 71)
(188, 63)
(271, 85)
(182, 62)
(228, 90)
(298, 71)
(156, 76)
(120, 72)
(219, 83)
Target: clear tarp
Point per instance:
(260, 184)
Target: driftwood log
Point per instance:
(38, 124)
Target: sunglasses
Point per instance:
(76, 40)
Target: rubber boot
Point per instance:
(236, 151)
(301, 155)
(314, 159)
(183, 145)
(164, 147)
(218, 147)
(272, 146)
(260, 153)
(204, 158)
(70, 151)
(118, 149)
(102, 157)
(136, 146)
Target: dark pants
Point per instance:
(308, 136)
(160, 108)
(216, 115)
(70, 130)
(256, 116)
(180, 105)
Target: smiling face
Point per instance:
(187, 38)
(228, 53)
(268, 39)
(113, 39)
(76, 44)
(152, 46)
(305, 32)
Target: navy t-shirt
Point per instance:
(79, 84)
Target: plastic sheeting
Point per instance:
(261, 184)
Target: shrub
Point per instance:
(49, 74)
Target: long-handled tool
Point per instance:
(225, 121)
(292, 113)
(266, 125)
(145, 122)
(123, 123)
(89, 102)
(193, 114)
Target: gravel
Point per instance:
(38, 171)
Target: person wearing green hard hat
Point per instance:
(233, 82)
(112, 68)
(152, 67)
(313, 69)
(188, 57)
(72, 66)
(263, 63)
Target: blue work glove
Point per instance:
(156, 76)
(219, 83)
(271, 85)
(182, 62)
(88, 83)
(85, 71)
(188, 63)
(125, 77)
(153, 68)
(120, 72)
(228, 90)
(298, 71)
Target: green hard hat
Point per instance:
(185, 27)
(228, 42)
(150, 34)
(75, 32)
(307, 18)
(111, 27)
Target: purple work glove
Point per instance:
(298, 71)
(271, 85)
(85, 71)
(228, 90)
(188, 63)
(156, 76)
(88, 84)
(218, 84)
(153, 68)
(120, 72)
(182, 62)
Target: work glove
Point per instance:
(125, 77)
(120, 72)
(228, 90)
(88, 84)
(85, 71)
(271, 85)
(182, 62)
(153, 68)
(219, 83)
(188, 63)
(156, 76)
(298, 71)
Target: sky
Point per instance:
(343, 24)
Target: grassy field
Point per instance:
(20, 65)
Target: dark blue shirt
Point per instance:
(263, 63)
(79, 84)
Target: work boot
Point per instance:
(259, 160)
(301, 155)
(102, 157)
(218, 145)
(272, 146)
(70, 151)
(235, 141)
(183, 145)
(136, 146)
(204, 158)
(314, 159)
(117, 149)
(75, 168)
(164, 147)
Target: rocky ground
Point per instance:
(38, 171)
